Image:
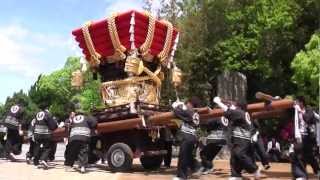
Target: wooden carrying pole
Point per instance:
(258, 110)
(269, 114)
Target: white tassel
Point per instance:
(177, 39)
(132, 21)
(172, 53)
(131, 31)
(133, 46)
(132, 38)
(174, 47)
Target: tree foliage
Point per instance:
(257, 38)
(54, 91)
(2, 111)
(306, 66)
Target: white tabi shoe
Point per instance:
(257, 174)
(12, 157)
(83, 170)
(235, 178)
(44, 164)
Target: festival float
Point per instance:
(131, 51)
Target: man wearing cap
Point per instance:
(190, 122)
(14, 132)
(240, 139)
(43, 128)
(81, 127)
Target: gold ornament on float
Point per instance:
(129, 50)
(77, 79)
(176, 76)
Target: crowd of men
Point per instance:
(242, 135)
(40, 135)
(235, 129)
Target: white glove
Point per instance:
(20, 132)
(316, 115)
(61, 125)
(291, 148)
(254, 138)
(33, 122)
(184, 107)
(176, 104)
(65, 140)
(5, 137)
(217, 100)
(233, 107)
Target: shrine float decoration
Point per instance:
(130, 50)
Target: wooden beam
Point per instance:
(258, 110)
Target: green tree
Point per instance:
(21, 98)
(2, 111)
(203, 24)
(89, 96)
(306, 67)
(55, 92)
(257, 38)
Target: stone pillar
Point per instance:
(232, 86)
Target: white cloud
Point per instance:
(23, 52)
(123, 5)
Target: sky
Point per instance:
(35, 36)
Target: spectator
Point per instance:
(287, 131)
(274, 150)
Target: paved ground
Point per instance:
(22, 171)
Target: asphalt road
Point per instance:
(21, 171)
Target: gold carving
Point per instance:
(95, 56)
(118, 47)
(126, 91)
(163, 55)
(135, 65)
(145, 47)
(176, 76)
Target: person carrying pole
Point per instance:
(241, 156)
